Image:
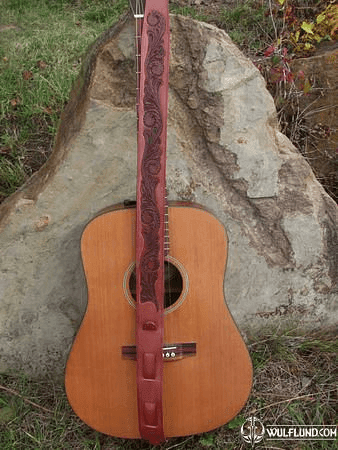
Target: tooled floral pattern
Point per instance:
(151, 161)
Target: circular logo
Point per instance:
(252, 430)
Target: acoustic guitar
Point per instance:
(157, 354)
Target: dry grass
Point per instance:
(42, 46)
(295, 382)
(295, 378)
(40, 56)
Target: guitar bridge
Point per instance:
(170, 352)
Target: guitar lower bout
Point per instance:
(203, 389)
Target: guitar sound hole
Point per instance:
(173, 284)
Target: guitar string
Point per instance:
(167, 245)
(137, 7)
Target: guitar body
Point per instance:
(200, 392)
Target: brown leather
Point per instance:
(150, 217)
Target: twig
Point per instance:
(292, 399)
(11, 391)
(180, 443)
(32, 437)
(273, 22)
(323, 108)
(274, 448)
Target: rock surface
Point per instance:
(224, 152)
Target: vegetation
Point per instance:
(41, 51)
(41, 48)
(273, 33)
(43, 43)
(295, 383)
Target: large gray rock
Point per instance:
(224, 152)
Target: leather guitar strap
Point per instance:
(150, 217)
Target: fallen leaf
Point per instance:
(307, 86)
(41, 64)
(27, 75)
(269, 51)
(320, 18)
(15, 101)
(307, 27)
(297, 36)
(48, 110)
(289, 77)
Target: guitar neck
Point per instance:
(152, 141)
(137, 7)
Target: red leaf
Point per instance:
(289, 77)
(269, 51)
(15, 102)
(27, 75)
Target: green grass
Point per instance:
(189, 11)
(248, 24)
(34, 414)
(40, 58)
(42, 46)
